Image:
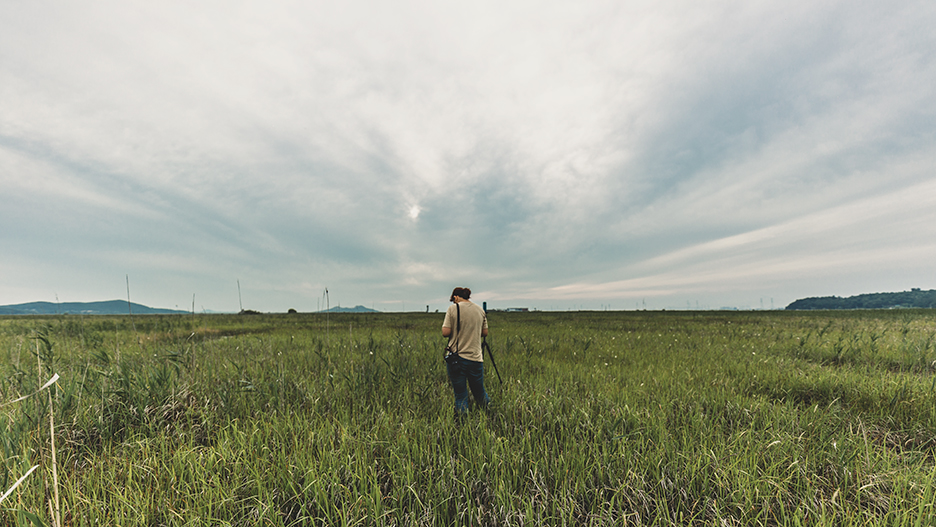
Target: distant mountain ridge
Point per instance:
(108, 307)
(355, 309)
(914, 298)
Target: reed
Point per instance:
(16, 435)
(604, 418)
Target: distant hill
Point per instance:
(110, 307)
(355, 309)
(914, 298)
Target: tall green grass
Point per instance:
(631, 418)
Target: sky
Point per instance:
(613, 155)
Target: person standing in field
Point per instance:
(465, 325)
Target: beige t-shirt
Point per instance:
(467, 341)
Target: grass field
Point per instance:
(603, 418)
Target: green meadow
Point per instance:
(602, 418)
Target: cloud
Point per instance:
(876, 233)
(526, 147)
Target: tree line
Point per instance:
(915, 298)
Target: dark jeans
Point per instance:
(463, 372)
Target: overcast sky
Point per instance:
(553, 155)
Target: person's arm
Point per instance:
(484, 331)
(447, 324)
